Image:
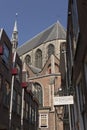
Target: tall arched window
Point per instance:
(51, 50)
(28, 59)
(37, 90)
(38, 58)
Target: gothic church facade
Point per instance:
(42, 57)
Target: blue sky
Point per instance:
(34, 16)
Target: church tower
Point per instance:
(14, 39)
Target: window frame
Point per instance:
(38, 58)
(81, 102)
(75, 21)
(6, 94)
(33, 115)
(45, 117)
(19, 72)
(6, 53)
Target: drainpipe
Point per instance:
(11, 99)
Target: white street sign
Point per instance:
(63, 100)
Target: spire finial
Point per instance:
(16, 14)
(15, 25)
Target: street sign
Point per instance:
(63, 100)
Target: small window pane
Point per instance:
(19, 104)
(19, 70)
(6, 97)
(26, 110)
(5, 55)
(44, 120)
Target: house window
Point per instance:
(28, 60)
(26, 110)
(19, 104)
(43, 121)
(38, 58)
(51, 50)
(30, 111)
(5, 55)
(14, 100)
(75, 20)
(6, 96)
(33, 115)
(19, 70)
(81, 104)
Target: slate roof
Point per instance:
(55, 31)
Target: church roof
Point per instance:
(34, 69)
(55, 31)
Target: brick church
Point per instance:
(41, 55)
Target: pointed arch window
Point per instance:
(51, 50)
(37, 90)
(38, 58)
(28, 59)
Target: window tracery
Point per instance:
(51, 50)
(38, 58)
(37, 90)
(28, 59)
